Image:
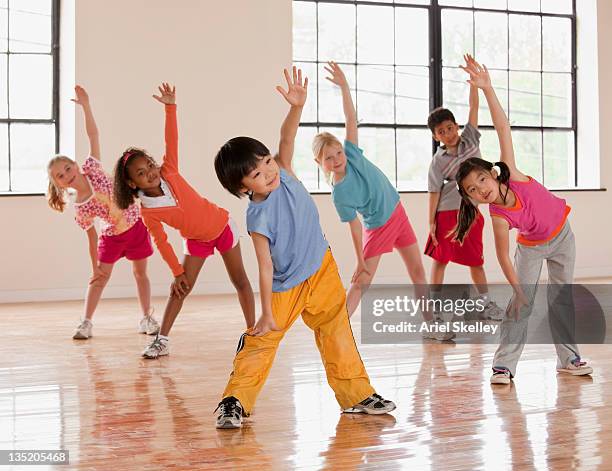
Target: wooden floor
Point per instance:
(115, 411)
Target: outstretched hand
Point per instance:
(296, 89)
(337, 75)
(82, 98)
(168, 94)
(479, 74)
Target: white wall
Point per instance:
(225, 58)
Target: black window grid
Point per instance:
(54, 120)
(436, 67)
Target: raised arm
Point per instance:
(167, 97)
(350, 115)
(264, 260)
(82, 99)
(296, 97)
(479, 77)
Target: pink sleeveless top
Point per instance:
(538, 214)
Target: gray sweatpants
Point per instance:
(560, 255)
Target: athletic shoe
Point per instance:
(230, 413)
(493, 312)
(148, 325)
(157, 348)
(435, 335)
(374, 404)
(501, 376)
(83, 331)
(576, 368)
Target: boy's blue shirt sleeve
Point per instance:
(258, 222)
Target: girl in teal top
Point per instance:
(359, 187)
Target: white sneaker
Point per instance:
(148, 325)
(439, 336)
(373, 404)
(501, 376)
(493, 312)
(576, 368)
(230, 413)
(83, 331)
(157, 348)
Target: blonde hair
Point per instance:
(56, 196)
(320, 141)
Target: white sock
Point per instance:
(165, 338)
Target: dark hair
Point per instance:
(122, 193)
(438, 116)
(467, 211)
(236, 159)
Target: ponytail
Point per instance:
(56, 197)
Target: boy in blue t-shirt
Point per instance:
(297, 273)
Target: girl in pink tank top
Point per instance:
(517, 201)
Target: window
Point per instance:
(402, 57)
(28, 93)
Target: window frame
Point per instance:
(436, 83)
(55, 105)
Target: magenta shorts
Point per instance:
(395, 233)
(133, 244)
(228, 239)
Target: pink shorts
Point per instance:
(448, 250)
(228, 239)
(395, 233)
(133, 244)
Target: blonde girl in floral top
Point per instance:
(123, 233)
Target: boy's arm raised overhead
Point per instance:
(350, 115)
(296, 97)
(474, 99)
(479, 77)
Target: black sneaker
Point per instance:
(374, 404)
(230, 413)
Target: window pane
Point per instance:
(492, 4)
(336, 32)
(411, 36)
(32, 145)
(499, 80)
(30, 26)
(557, 44)
(375, 94)
(524, 5)
(4, 170)
(557, 6)
(375, 34)
(456, 3)
(525, 104)
(330, 96)
(525, 44)
(413, 147)
(456, 93)
(457, 36)
(305, 167)
(414, 2)
(31, 86)
(557, 99)
(489, 145)
(411, 95)
(3, 23)
(492, 39)
(378, 145)
(304, 31)
(309, 113)
(528, 152)
(3, 82)
(559, 163)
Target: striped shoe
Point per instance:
(374, 404)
